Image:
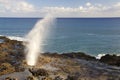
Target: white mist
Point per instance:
(36, 37)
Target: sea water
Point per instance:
(90, 35)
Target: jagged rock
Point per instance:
(12, 52)
(79, 55)
(111, 59)
(5, 39)
(30, 78)
(70, 78)
(58, 78)
(10, 78)
(6, 68)
(46, 78)
(69, 66)
(38, 72)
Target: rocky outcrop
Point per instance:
(54, 66)
(79, 55)
(11, 52)
(38, 72)
(111, 60)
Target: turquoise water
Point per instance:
(90, 35)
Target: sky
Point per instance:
(60, 8)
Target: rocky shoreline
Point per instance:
(54, 66)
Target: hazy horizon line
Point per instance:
(60, 17)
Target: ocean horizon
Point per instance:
(90, 35)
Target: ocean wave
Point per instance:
(100, 55)
(15, 38)
(19, 39)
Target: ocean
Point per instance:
(90, 35)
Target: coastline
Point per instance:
(24, 40)
(68, 66)
(81, 55)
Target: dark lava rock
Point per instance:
(12, 52)
(5, 39)
(71, 78)
(79, 55)
(58, 78)
(55, 55)
(9, 78)
(38, 72)
(30, 78)
(111, 59)
(107, 59)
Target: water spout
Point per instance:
(35, 38)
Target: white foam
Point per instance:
(15, 38)
(100, 55)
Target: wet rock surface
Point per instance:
(54, 66)
(38, 72)
(111, 59)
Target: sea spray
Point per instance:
(36, 37)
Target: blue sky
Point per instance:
(60, 8)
